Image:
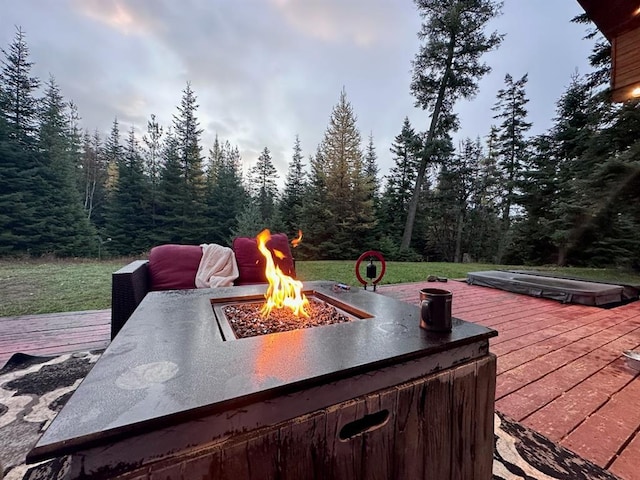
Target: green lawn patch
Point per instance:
(47, 286)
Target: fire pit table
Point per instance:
(176, 396)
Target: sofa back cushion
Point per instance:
(174, 267)
(251, 263)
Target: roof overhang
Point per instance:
(619, 22)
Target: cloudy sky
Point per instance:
(266, 70)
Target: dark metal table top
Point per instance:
(169, 363)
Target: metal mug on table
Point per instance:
(435, 309)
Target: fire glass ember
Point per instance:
(246, 319)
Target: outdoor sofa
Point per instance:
(174, 267)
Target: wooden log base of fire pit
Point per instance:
(436, 427)
(246, 319)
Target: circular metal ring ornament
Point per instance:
(369, 256)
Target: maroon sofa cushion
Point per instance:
(174, 267)
(251, 263)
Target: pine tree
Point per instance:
(317, 215)
(153, 163)
(249, 222)
(484, 221)
(511, 147)
(533, 234)
(20, 222)
(347, 191)
(457, 186)
(600, 58)
(171, 208)
(371, 171)
(294, 192)
(112, 157)
(552, 178)
(129, 216)
(66, 231)
(606, 195)
(226, 197)
(447, 68)
(400, 182)
(17, 88)
(187, 134)
(263, 180)
(74, 134)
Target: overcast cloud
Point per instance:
(266, 70)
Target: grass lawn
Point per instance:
(46, 286)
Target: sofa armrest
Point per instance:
(129, 286)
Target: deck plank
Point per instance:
(626, 464)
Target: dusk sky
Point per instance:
(266, 70)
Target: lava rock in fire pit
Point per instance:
(246, 319)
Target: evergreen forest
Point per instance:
(569, 196)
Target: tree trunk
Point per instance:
(562, 256)
(457, 258)
(413, 204)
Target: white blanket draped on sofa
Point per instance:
(217, 267)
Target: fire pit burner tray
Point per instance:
(224, 322)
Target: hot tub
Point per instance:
(561, 289)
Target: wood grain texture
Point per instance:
(484, 423)
(343, 457)
(433, 430)
(410, 434)
(435, 410)
(463, 415)
(302, 447)
(379, 443)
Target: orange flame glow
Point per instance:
(296, 241)
(283, 290)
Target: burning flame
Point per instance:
(296, 241)
(283, 290)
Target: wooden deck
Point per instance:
(54, 333)
(560, 369)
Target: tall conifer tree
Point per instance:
(371, 170)
(17, 89)
(130, 219)
(66, 230)
(447, 68)
(294, 191)
(112, 157)
(400, 181)
(317, 214)
(20, 221)
(170, 220)
(187, 133)
(153, 163)
(511, 145)
(226, 197)
(263, 177)
(347, 186)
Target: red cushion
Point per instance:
(251, 263)
(174, 267)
